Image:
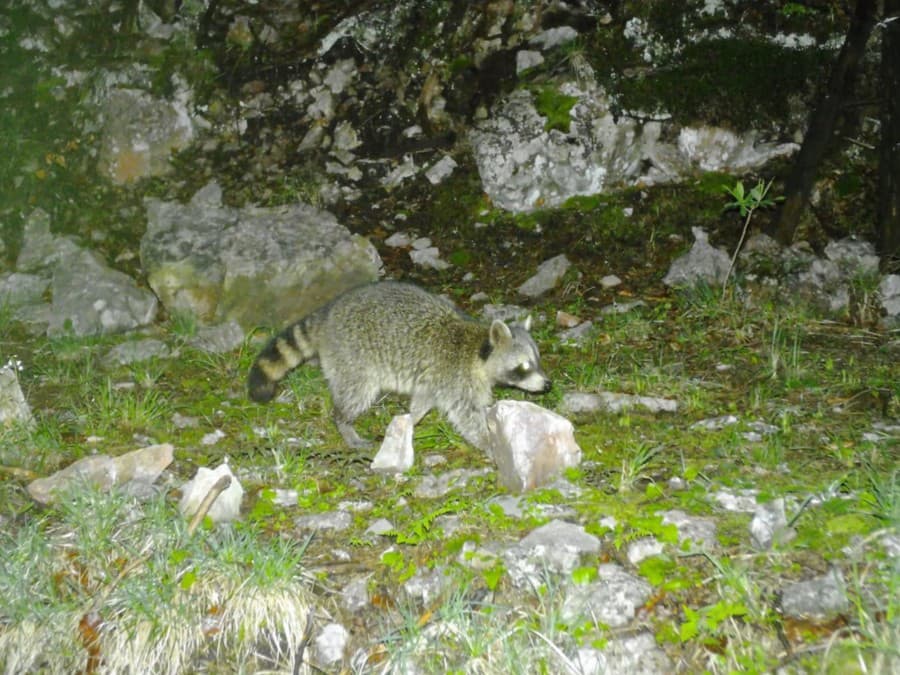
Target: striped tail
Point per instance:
(285, 351)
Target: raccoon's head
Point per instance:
(511, 357)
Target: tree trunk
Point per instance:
(823, 119)
(888, 208)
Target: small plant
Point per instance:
(556, 107)
(790, 9)
(746, 203)
(635, 466)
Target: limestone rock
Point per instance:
(531, 445)
(523, 165)
(14, 408)
(556, 547)
(140, 134)
(41, 249)
(330, 520)
(613, 599)
(255, 265)
(581, 403)
(218, 339)
(227, 505)
(17, 289)
(396, 454)
(141, 466)
(330, 643)
(817, 598)
(90, 298)
(889, 292)
(635, 653)
(702, 263)
(717, 149)
(135, 351)
(769, 525)
(547, 276)
(854, 257)
(699, 533)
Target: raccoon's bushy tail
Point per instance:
(285, 351)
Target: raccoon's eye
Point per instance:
(522, 370)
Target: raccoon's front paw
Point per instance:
(351, 438)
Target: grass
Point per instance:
(105, 579)
(230, 594)
(110, 582)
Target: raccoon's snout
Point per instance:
(539, 388)
(534, 382)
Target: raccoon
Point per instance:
(392, 337)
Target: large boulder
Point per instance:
(140, 133)
(88, 297)
(256, 265)
(525, 162)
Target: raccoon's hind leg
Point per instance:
(349, 402)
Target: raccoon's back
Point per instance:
(394, 328)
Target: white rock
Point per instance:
(396, 454)
(613, 599)
(643, 548)
(440, 170)
(702, 263)
(769, 525)
(526, 58)
(103, 472)
(398, 240)
(331, 642)
(530, 444)
(429, 258)
(578, 403)
(547, 276)
(717, 149)
(552, 37)
(610, 281)
(889, 291)
(213, 437)
(400, 173)
(380, 526)
(227, 505)
(14, 409)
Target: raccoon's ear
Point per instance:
(500, 333)
(526, 323)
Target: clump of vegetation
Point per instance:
(102, 580)
(556, 107)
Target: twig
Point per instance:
(737, 249)
(17, 472)
(307, 634)
(218, 488)
(214, 491)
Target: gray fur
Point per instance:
(390, 337)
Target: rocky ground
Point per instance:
(736, 503)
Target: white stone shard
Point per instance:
(530, 444)
(396, 454)
(227, 505)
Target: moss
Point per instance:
(555, 106)
(740, 83)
